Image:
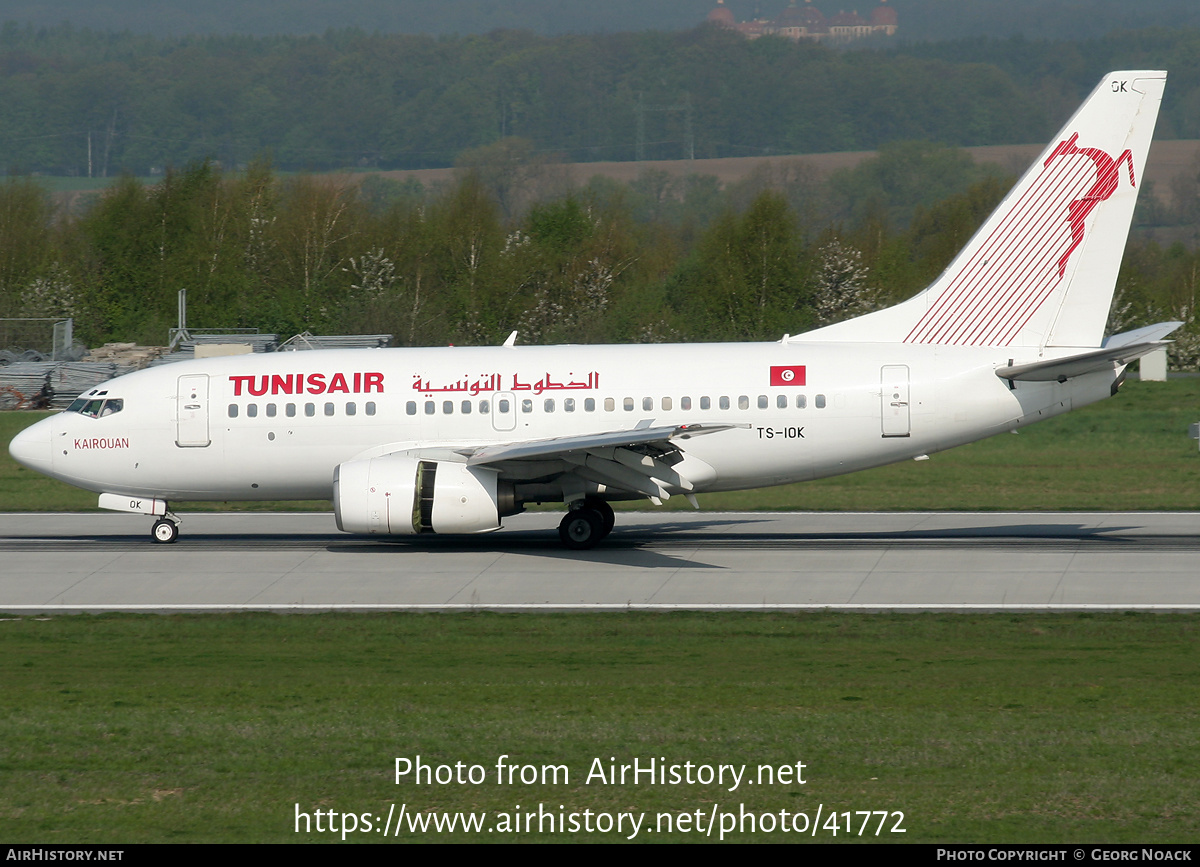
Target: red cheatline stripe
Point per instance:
(962, 293)
(1023, 264)
(1022, 317)
(976, 307)
(1032, 244)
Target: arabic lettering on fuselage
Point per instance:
(493, 382)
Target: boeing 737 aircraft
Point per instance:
(452, 440)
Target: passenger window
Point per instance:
(685, 403)
(568, 404)
(430, 407)
(589, 404)
(781, 401)
(310, 409)
(801, 401)
(820, 401)
(411, 407)
(291, 410)
(329, 409)
(647, 404)
(466, 407)
(503, 405)
(527, 405)
(629, 404)
(351, 409)
(485, 407)
(270, 410)
(370, 407)
(448, 407)
(233, 410)
(549, 405)
(706, 403)
(666, 403)
(762, 401)
(743, 402)
(252, 410)
(724, 402)
(609, 404)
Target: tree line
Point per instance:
(468, 261)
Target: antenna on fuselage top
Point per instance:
(512, 340)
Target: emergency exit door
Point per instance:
(191, 412)
(894, 399)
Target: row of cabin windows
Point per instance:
(569, 404)
(310, 409)
(504, 405)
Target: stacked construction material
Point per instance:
(256, 342)
(25, 385)
(128, 357)
(336, 341)
(49, 384)
(9, 356)
(68, 380)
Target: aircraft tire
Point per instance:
(581, 529)
(608, 518)
(164, 532)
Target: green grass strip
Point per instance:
(997, 728)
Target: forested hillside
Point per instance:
(94, 104)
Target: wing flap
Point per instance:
(561, 447)
(639, 461)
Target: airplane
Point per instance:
(408, 441)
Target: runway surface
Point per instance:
(666, 560)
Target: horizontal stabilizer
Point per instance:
(1119, 350)
(1149, 334)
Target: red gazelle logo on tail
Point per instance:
(1108, 176)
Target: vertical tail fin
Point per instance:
(1042, 268)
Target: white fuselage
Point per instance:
(276, 426)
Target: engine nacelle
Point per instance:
(403, 495)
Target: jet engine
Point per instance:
(401, 494)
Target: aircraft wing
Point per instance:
(640, 460)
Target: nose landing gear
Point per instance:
(165, 531)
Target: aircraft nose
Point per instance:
(31, 447)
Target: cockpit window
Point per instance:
(96, 407)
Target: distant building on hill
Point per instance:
(809, 23)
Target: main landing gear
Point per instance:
(586, 524)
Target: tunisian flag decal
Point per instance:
(791, 375)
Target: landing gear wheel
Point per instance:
(164, 531)
(608, 518)
(581, 529)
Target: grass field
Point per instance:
(1128, 452)
(977, 728)
(995, 728)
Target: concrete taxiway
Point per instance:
(665, 560)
